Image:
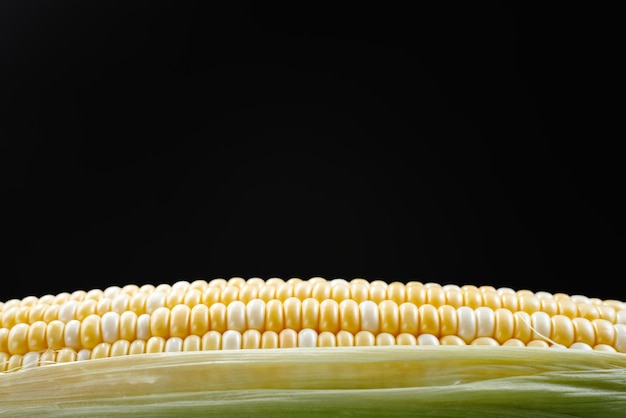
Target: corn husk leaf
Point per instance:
(426, 381)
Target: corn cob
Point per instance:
(185, 324)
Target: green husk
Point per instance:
(427, 381)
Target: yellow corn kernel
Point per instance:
(128, 325)
(485, 341)
(472, 297)
(345, 339)
(389, 317)
(37, 336)
(523, 328)
(303, 289)
(320, 291)
(364, 338)
(137, 347)
(584, 331)
(18, 339)
(406, 339)
(283, 292)
(504, 325)
(179, 320)
(199, 323)
(229, 294)
(155, 344)
(454, 295)
(340, 291)
(35, 314)
(409, 318)
(101, 350)
(160, 322)
(251, 338)
(310, 313)
(120, 348)
(604, 332)
(384, 338)
(396, 292)
(349, 316)
(85, 308)
(326, 339)
(448, 320)
(292, 307)
(329, 316)
(452, 340)
(563, 331)
(269, 339)
(377, 292)
(274, 315)
(90, 333)
(288, 338)
(192, 343)
(435, 295)
(217, 317)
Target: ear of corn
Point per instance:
(241, 347)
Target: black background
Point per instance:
(151, 141)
